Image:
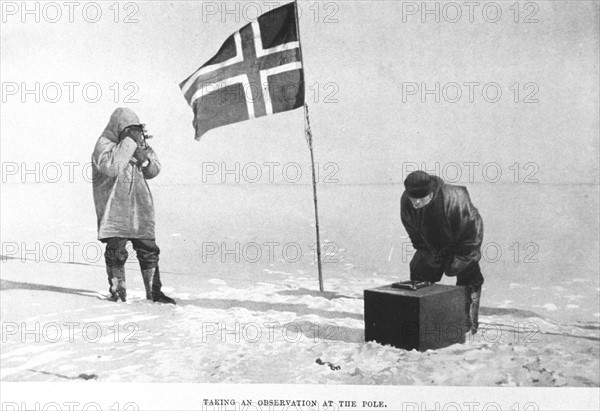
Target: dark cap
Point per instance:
(419, 184)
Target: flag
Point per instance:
(257, 72)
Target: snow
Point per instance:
(266, 322)
(270, 333)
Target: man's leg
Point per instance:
(472, 280)
(115, 257)
(147, 254)
(426, 266)
(475, 291)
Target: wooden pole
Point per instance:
(308, 136)
(308, 133)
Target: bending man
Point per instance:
(447, 231)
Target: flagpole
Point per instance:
(308, 136)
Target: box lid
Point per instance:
(421, 292)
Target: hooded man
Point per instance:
(121, 164)
(447, 231)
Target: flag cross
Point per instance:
(251, 67)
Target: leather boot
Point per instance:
(147, 276)
(113, 294)
(153, 286)
(116, 279)
(474, 308)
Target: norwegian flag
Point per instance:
(257, 71)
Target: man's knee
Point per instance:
(116, 252)
(147, 253)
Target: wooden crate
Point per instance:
(428, 318)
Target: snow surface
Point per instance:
(267, 322)
(265, 333)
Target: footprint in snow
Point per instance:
(330, 365)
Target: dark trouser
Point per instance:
(116, 254)
(430, 266)
(147, 254)
(472, 305)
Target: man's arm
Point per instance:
(467, 229)
(410, 224)
(111, 158)
(153, 168)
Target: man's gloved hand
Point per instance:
(134, 132)
(141, 156)
(458, 265)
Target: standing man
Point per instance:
(121, 164)
(447, 231)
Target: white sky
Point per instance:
(368, 53)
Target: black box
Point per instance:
(428, 318)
